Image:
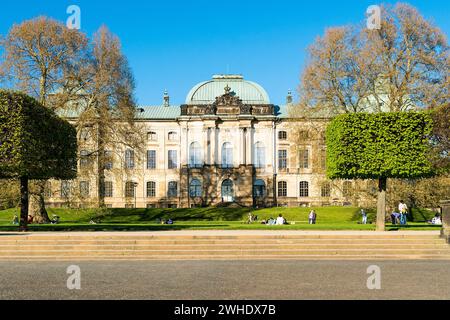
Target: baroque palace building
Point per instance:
(227, 144)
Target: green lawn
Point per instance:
(329, 218)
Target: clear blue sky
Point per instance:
(175, 44)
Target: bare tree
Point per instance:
(106, 103)
(403, 65)
(40, 55)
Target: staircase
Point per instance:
(216, 245)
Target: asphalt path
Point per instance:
(225, 280)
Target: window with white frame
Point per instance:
(151, 189)
(172, 159)
(195, 155)
(172, 136)
(282, 159)
(129, 159)
(260, 155)
(227, 155)
(304, 189)
(282, 188)
(151, 159)
(303, 157)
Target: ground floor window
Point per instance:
(304, 189)
(172, 190)
(107, 189)
(195, 188)
(259, 189)
(84, 189)
(325, 190)
(130, 189)
(282, 189)
(227, 191)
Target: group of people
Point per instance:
(400, 216)
(30, 220)
(280, 220)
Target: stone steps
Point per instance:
(303, 246)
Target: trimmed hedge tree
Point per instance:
(34, 144)
(379, 146)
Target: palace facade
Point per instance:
(228, 144)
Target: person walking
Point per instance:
(364, 216)
(312, 217)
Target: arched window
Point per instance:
(282, 189)
(151, 189)
(172, 190)
(195, 188)
(282, 135)
(227, 155)
(347, 188)
(259, 188)
(304, 189)
(152, 136)
(172, 136)
(260, 155)
(227, 191)
(195, 155)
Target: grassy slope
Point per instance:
(329, 218)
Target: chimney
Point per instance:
(289, 97)
(166, 102)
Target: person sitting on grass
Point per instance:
(15, 219)
(280, 220)
(170, 221)
(55, 219)
(436, 220)
(271, 221)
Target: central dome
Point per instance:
(206, 92)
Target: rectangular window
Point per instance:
(107, 189)
(325, 190)
(84, 159)
(282, 159)
(282, 189)
(129, 189)
(151, 159)
(172, 162)
(151, 189)
(129, 159)
(65, 189)
(304, 189)
(303, 157)
(84, 189)
(108, 160)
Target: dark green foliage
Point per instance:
(34, 142)
(381, 145)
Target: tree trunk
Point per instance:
(23, 226)
(381, 204)
(101, 163)
(37, 204)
